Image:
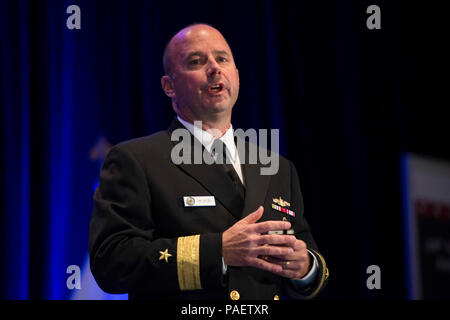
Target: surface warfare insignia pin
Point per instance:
(281, 202)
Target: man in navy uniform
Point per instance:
(165, 230)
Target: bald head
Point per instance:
(186, 34)
(201, 77)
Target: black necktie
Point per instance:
(223, 159)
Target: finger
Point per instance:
(266, 226)
(300, 245)
(297, 255)
(300, 249)
(269, 250)
(285, 264)
(290, 274)
(254, 216)
(277, 239)
(264, 265)
(290, 269)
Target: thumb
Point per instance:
(254, 216)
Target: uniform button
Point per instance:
(276, 297)
(234, 295)
(284, 219)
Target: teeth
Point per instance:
(216, 87)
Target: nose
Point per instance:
(213, 68)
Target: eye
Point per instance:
(194, 62)
(222, 59)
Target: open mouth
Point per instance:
(215, 88)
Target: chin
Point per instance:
(218, 108)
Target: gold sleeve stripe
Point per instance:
(323, 277)
(188, 262)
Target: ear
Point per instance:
(167, 86)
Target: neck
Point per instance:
(217, 126)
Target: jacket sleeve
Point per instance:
(303, 232)
(126, 255)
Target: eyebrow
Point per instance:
(201, 53)
(222, 52)
(195, 53)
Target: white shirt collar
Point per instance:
(206, 139)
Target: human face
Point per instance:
(204, 80)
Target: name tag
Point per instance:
(199, 201)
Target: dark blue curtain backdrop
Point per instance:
(348, 102)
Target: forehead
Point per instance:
(198, 39)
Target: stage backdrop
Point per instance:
(348, 100)
(427, 225)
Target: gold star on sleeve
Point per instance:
(165, 255)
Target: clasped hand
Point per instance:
(247, 244)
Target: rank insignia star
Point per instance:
(281, 202)
(165, 255)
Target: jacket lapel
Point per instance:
(211, 177)
(256, 185)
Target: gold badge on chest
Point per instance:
(280, 206)
(281, 202)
